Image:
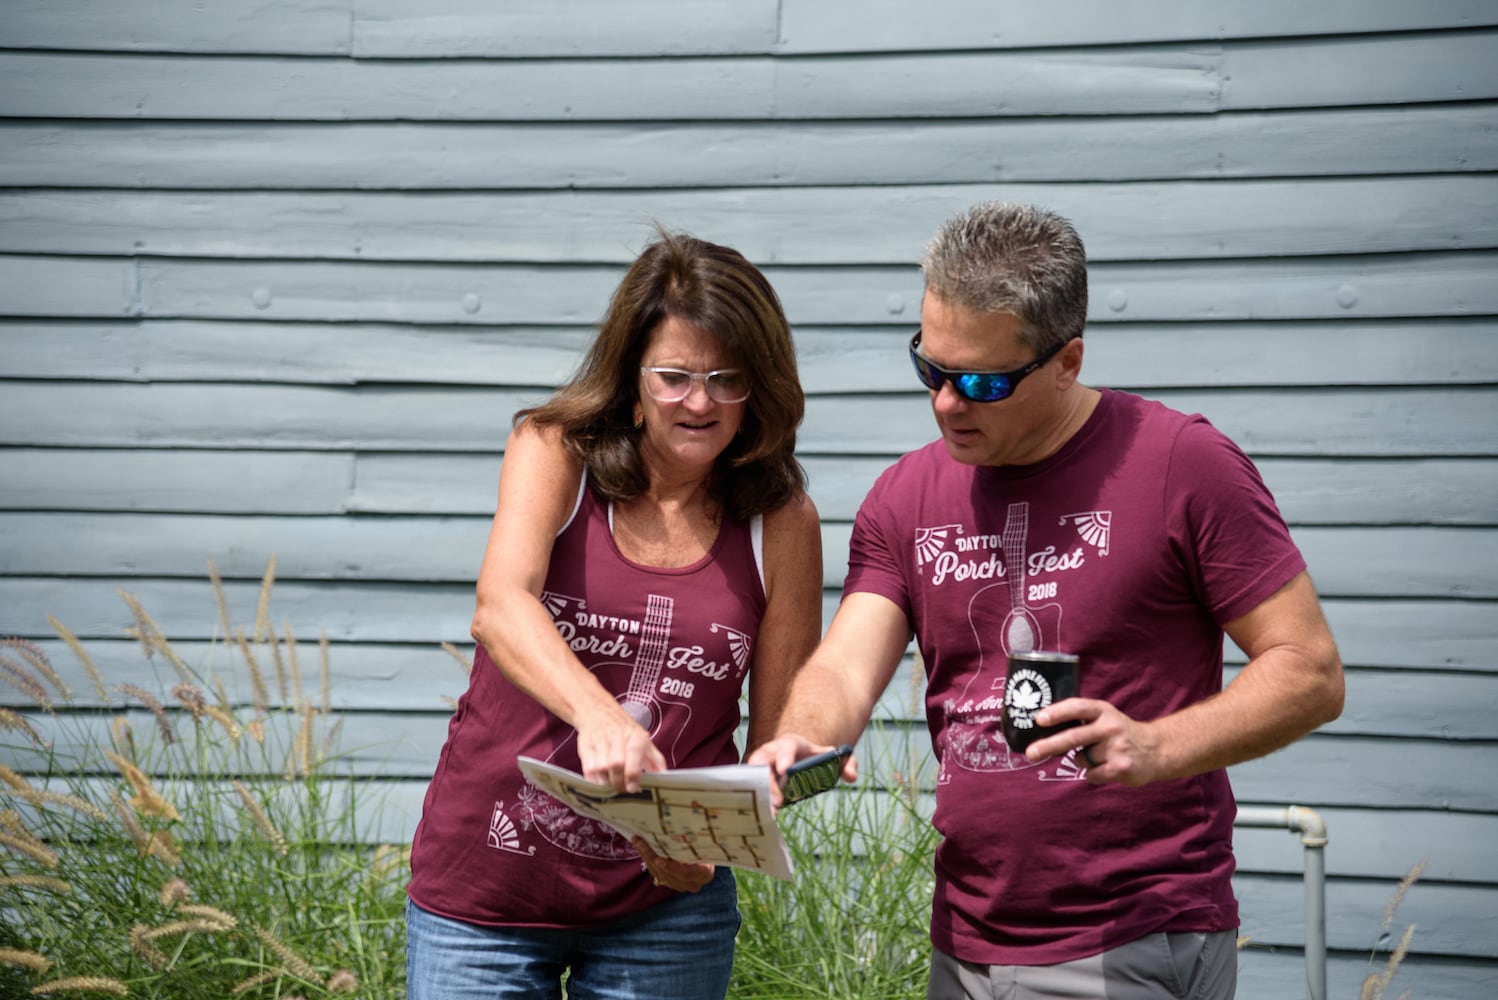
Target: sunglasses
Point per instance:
(975, 387)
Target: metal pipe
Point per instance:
(1312, 830)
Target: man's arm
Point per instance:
(1291, 684)
(833, 696)
(792, 622)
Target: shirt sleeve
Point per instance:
(874, 565)
(1225, 524)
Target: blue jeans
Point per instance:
(681, 948)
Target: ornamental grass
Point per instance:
(179, 843)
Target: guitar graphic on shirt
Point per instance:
(643, 701)
(639, 699)
(973, 736)
(1022, 630)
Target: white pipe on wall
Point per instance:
(1312, 830)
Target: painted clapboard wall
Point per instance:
(275, 273)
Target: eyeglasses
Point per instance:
(975, 387)
(672, 385)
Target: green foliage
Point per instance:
(180, 843)
(854, 922)
(176, 844)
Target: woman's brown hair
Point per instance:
(718, 291)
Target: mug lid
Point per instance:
(1044, 656)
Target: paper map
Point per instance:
(717, 814)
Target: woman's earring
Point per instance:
(639, 418)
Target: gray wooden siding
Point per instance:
(275, 273)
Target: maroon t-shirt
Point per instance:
(491, 847)
(1130, 547)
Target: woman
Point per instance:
(652, 546)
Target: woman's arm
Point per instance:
(537, 492)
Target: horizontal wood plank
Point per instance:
(1342, 422)
(300, 27)
(829, 359)
(1442, 66)
(1380, 843)
(403, 677)
(1459, 635)
(321, 354)
(1351, 287)
(166, 88)
(1321, 770)
(711, 153)
(1380, 562)
(469, 28)
(1200, 221)
(1306, 423)
(1310, 491)
(1449, 919)
(1280, 971)
(1425, 703)
(385, 28)
(183, 481)
(82, 286)
(1356, 287)
(856, 25)
(1450, 635)
(1116, 81)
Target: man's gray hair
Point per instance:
(1013, 258)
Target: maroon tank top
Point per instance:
(674, 645)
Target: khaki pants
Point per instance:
(1186, 966)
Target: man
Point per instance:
(1056, 516)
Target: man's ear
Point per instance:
(1069, 363)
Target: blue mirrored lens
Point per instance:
(982, 387)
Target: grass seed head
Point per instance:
(38, 852)
(82, 654)
(25, 959)
(18, 723)
(46, 882)
(82, 984)
(343, 981)
(147, 801)
(299, 966)
(174, 891)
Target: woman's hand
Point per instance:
(683, 876)
(614, 750)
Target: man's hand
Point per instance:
(1115, 748)
(783, 751)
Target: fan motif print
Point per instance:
(1093, 527)
(740, 647)
(503, 835)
